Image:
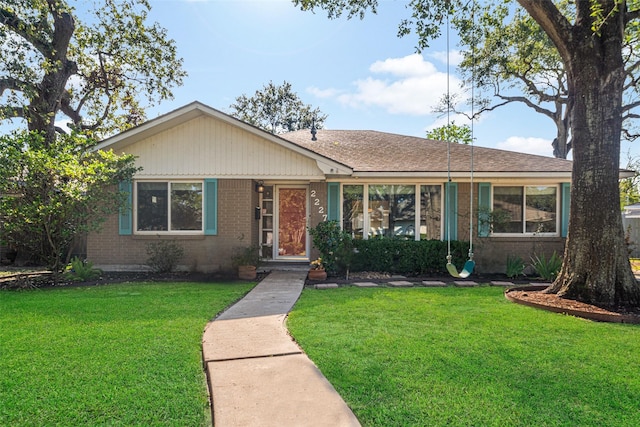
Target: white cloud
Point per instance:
(323, 93)
(411, 65)
(528, 145)
(412, 86)
(454, 57)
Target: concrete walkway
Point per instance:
(257, 374)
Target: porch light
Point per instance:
(260, 187)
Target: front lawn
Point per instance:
(118, 355)
(468, 357)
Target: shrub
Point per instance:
(164, 256)
(335, 245)
(249, 255)
(547, 269)
(515, 266)
(407, 257)
(81, 271)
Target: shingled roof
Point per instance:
(367, 151)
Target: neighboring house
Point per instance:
(631, 223)
(213, 183)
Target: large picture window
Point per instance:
(392, 210)
(408, 211)
(169, 206)
(529, 209)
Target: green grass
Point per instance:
(468, 357)
(116, 355)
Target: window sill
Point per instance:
(178, 236)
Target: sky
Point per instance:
(358, 72)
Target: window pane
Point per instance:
(352, 210)
(507, 209)
(541, 209)
(152, 206)
(392, 210)
(186, 206)
(430, 211)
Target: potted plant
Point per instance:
(246, 260)
(317, 271)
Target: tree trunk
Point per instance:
(561, 145)
(596, 266)
(41, 112)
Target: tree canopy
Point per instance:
(277, 109)
(99, 68)
(56, 192)
(460, 134)
(590, 40)
(509, 58)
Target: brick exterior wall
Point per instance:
(237, 227)
(317, 211)
(490, 253)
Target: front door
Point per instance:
(291, 222)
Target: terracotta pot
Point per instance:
(317, 274)
(247, 272)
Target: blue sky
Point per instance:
(358, 72)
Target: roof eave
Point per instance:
(463, 175)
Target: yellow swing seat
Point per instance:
(466, 271)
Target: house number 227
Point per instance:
(316, 203)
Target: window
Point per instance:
(430, 212)
(169, 206)
(353, 210)
(529, 209)
(392, 210)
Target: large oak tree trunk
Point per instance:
(596, 266)
(41, 112)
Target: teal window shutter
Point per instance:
(125, 219)
(484, 209)
(566, 200)
(333, 201)
(451, 211)
(210, 213)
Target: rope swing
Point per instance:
(469, 266)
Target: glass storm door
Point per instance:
(292, 222)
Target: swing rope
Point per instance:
(470, 264)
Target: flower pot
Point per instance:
(247, 272)
(318, 274)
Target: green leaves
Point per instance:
(277, 109)
(53, 193)
(460, 134)
(99, 67)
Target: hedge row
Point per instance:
(407, 257)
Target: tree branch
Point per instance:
(553, 22)
(9, 112)
(631, 15)
(9, 83)
(528, 103)
(630, 106)
(26, 31)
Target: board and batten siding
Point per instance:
(206, 146)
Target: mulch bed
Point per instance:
(44, 280)
(533, 296)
